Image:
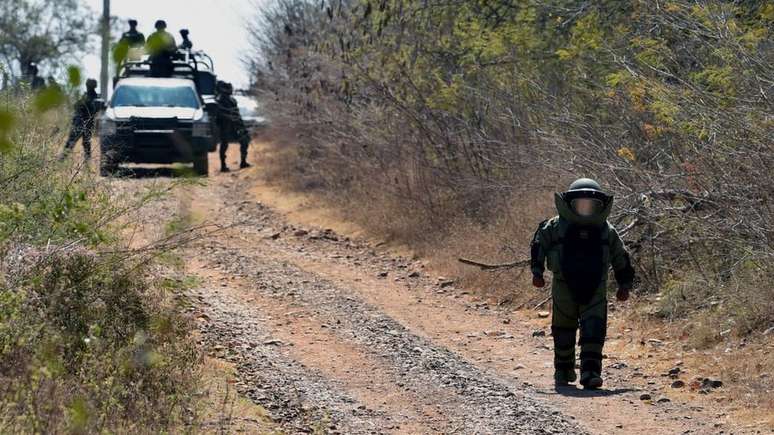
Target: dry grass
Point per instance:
(222, 410)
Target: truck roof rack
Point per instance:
(193, 65)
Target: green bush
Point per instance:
(90, 340)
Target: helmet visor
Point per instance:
(586, 206)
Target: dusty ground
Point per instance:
(329, 333)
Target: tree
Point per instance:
(42, 32)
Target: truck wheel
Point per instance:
(201, 165)
(107, 165)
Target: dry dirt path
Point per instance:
(329, 334)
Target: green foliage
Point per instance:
(48, 99)
(74, 78)
(7, 120)
(89, 342)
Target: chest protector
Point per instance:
(583, 261)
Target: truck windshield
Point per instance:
(155, 96)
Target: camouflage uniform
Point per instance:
(579, 251)
(86, 109)
(132, 38)
(161, 48)
(231, 126)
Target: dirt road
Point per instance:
(330, 334)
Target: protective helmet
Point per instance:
(585, 197)
(584, 184)
(132, 23)
(161, 24)
(91, 84)
(184, 32)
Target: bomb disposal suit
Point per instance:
(579, 246)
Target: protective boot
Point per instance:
(564, 354)
(243, 154)
(222, 151)
(591, 380)
(564, 377)
(593, 326)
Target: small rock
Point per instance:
(414, 274)
(383, 274)
(645, 396)
(673, 372)
(663, 400)
(446, 283)
(655, 342)
(272, 343)
(538, 333)
(275, 236)
(519, 367)
(300, 233)
(543, 314)
(506, 321)
(678, 384)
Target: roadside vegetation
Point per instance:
(446, 126)
(91, 337)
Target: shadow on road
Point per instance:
(574, 391)
(140, 172)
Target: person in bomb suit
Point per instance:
(579, 246)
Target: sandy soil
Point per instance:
(330, 333)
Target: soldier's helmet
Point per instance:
(91, 84)
(184, 33)
(133, 23)
(224, 87)
(161, 25)
(585, 197)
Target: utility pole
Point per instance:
(105, 30)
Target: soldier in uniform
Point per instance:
(161, 47)
(86, 109)
(36, 81)
(231, 126)
(579, 246)
(186, 44)
(129, 40)
(132, 38)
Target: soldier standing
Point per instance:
(231, 126)
(86, 109)
(132, 38)
(186, 44)
(36, 81)
(129, 40)
(579, 246)
(161, 47)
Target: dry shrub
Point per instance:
(426, 120)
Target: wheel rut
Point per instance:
(319, 356)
